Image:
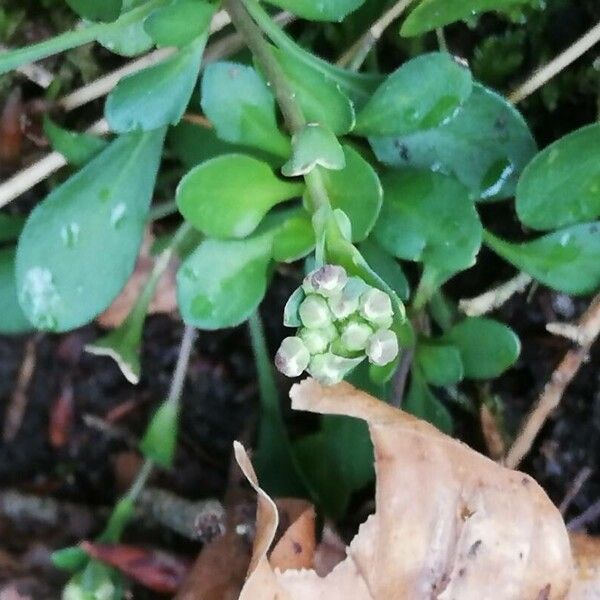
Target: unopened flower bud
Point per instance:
(376, 307)
(328, 280)
(317, 340)
(355, 335)
(382, 347)
(293, 356)
(314, 312)
(330, 369)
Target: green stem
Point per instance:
(71, 39)
(266, 378)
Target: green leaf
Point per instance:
(179, 22)
(228, 196)
(386, 266)
(12, 319)
(487, 348)
(156, 96)
(337, 461)
(357, 191)
(10, 227)
(441, 364)
(321, 100)
(79, 246)
(485, 146)
(128, 40)
(294, 237)
(423, 403)
(561, 185)
(223, 281)
(567, 260)
(428, 217)
(77, 148)
(314, 145)
(430, 14)
(421, 94)
(93, 10)
(241, 107)
(319, 10)
(160, 439)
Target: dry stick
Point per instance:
(589, 325)
(574, 489)
(356, 54)
(587, 516)
(547, 72)
(34, 72)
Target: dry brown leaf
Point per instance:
(164, 301)
(586, 552)
(450, 524)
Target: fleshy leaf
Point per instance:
(421, 402)
(179, 22)
(228, 196)
(106, 10)
(441, 364)
(12, 318)
(79, 245)
(421, 94)
(319, 10)
(78, 148)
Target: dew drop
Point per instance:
(40, 298)
(117, 214)
(70, 235)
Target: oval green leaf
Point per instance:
(561, 185)
(92, 10)
(241, 107)
(421, 94)
(319, 10)
(321, 99)
(441, 364)
(156, 96)
(567, 260)
(179, 22)
(386, 266)
(485, 146)
(487, 348)
(223, 281)
(228, 196)
(428, 217)
(79, 246)
(77, 148)
(128, 40)
(430, 14)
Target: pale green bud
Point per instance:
(293, 356)
(342, 306)
(330, 369)
(382, 347)
(314, 312)
(318, 340)
(328, 280)
(355, 335)
(376, 307)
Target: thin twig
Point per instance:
(587, 516)
(356, 54)
(494, 298)
(574, 489)
(15, 411)
(563, 60)
(35, 73)
(589, 324)
(183, 360)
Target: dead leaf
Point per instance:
(449, 523)
(586, 552)
(164, 301)
(155, 570)
(296, 547)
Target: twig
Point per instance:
(587, 516)
(574, 489)
(494, 298)
(563, 60)
(356, 54)
(589, 324)
(15, 411)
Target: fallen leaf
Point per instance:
(164, 301)
(449, 522)
(155, 570)
(586, 552)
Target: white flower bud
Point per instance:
(342, 306)
(382, 347)
(293, 357)
(355, 335)
(317, 340)
(314, 312)
(330, 369)
(376, 307)
(328, 280)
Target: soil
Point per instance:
(92, 462)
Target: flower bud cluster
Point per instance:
(341, 321)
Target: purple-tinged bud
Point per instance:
(329, 280)
(293, 357)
